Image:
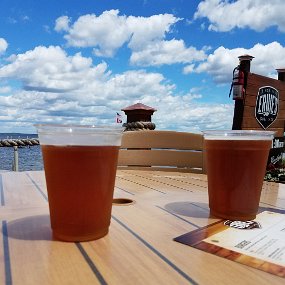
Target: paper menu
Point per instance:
(266, 243)
(259, 247)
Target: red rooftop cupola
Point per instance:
(138, 112)
(139, 117)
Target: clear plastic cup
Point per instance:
(236, 164)
(80, 165)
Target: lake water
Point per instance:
(30, 158)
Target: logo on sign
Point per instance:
(267, 105)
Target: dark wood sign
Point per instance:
(267, 106)
(249, 120)
(264, 108)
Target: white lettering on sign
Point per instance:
(268, 104)
(274, 159)
(277, 143)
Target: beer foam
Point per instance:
(238, 135)
(68, 135)
(238, 138)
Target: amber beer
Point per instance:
(236, 165)
(80, 182)
(80, 168)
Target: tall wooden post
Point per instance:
(244, 62)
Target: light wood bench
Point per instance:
(162, 150)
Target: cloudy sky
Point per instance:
(81, 61)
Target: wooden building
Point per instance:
(262, 107)
(246, 113)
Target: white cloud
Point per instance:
(166, 52)
(188, 68)
(186, 114)
(62, 24)
(5, 89)
(145, 36)
(47, 29)
(71, 87)
(106, 33)
(151, 29)
(25, 18)
(3, 45)
(221, 62)
(12, 20)
(258, 15)
(49, 68)
(62, 88)
(110, 30)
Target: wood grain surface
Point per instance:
(139, 248)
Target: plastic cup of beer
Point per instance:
(80, 165)
(236, 163)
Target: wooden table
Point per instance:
(139, 248)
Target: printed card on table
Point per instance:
(259, 243)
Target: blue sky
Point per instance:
(81, 61)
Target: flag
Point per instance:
(118, 118)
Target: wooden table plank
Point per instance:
(120, 264)
(36, 259)
(139, 248)
(19, 189)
